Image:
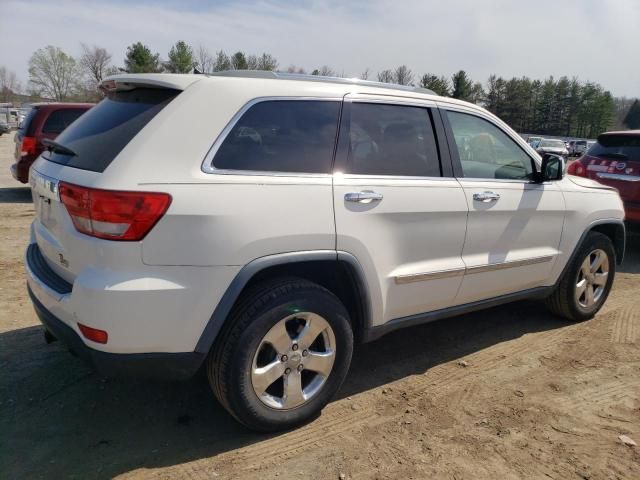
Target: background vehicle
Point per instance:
(615, 160)
(578, 147)
(555, 147)
(43, 122)
(4, 126)
(534, 141)
(292, 218)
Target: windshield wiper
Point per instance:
(56, 147)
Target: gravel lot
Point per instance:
(510, 392)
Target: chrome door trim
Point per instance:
(511, 264)
(422, 277)
(207, 163)
(619, 176)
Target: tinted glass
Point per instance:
(282, 136)
(25, 128)
(104, 130)
(58, 120)
(623, 147)
(486, 151)
(391, 140)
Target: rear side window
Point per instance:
(296, 136)
(622, 147)
(58, 120)
(27, 127)
(391, 140)
(104, 130)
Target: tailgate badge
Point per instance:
(63, 260)
(621, 166)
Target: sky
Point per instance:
(594, 40)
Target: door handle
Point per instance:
(486, 197)
(366, 196)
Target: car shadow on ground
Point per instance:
(72, 422)
(59, 419)
(15, 195)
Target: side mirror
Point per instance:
(552, 168)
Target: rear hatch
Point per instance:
(614, 160)
(78, 158)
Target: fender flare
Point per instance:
(244, 276)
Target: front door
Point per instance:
(514, 225)
(395, 211)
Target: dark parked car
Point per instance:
(615, 161)
(43, 122)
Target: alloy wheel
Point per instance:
(293, 361)
(592, 279)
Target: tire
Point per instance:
(244, 350)
(566, 301)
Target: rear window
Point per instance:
(282, 136)
(625, 147)
(26, 129)
(58, 120)
(104, 130)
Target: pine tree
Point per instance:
(632, 119)
(139, 59)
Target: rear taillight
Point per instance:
(112, 214)
(28, 146)
(576, 168)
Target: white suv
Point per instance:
(261, 224)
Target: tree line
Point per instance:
(563, 106)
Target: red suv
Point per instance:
(45, 121)
(615, 161)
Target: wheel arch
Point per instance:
(616, 232)
(338, 272)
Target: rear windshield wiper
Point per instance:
(621, 156)
(56, 147)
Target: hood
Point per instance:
(588, 183)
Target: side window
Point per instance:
(282, 136)
(486, 151)
(391, 140)
(58, 120)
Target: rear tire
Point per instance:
(257, 373)
(587, 281)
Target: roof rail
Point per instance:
(317, 78)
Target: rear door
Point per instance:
(514, 226)
(396, 209)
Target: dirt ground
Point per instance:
(507, 393)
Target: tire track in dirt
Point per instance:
(625, 326)
(439, 381)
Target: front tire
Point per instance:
(587, 281)
(283, 354)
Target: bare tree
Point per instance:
(52, 73)
(95, 63)
(386, 76)
(266, 61)
(9, 84)
(326, 71)
(365, 75)
(205, 60)
(403, 75)
(294, 69)
(222, 62)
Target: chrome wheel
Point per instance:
(592, 278)
(293, 360)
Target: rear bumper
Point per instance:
(165, 366)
